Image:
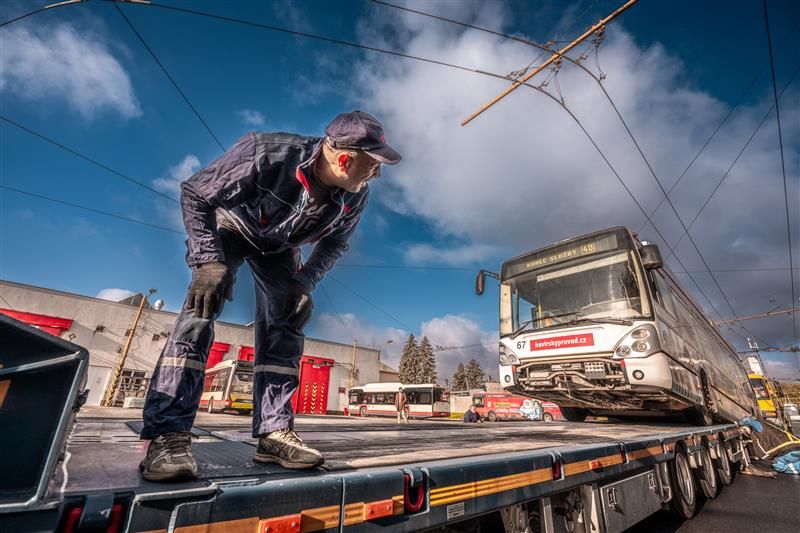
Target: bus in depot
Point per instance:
(769, 395)
(228, 386)
(378, 399)
(504, 406)
(598, 325)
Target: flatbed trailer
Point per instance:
(379, 476)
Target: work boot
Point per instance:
(285, 447)
(169, 458)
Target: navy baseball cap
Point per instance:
(357, 130)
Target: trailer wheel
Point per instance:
(707, 474)
(362, 411)
(547, 417)
(492, 416)
(684, 493)
(725, 470)
(574, 414)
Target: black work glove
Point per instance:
(211, 283)
(298, 305)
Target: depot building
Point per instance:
(103, 328)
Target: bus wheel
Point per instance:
(211, 405)
(707, 473)
(492, 416)
(574, 414)
(362, 411)
(547, 417)
(725, 470)
(684, 495)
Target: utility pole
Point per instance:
(553, 58)
(353, 366)
(112, 388)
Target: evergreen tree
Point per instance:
(474, 374)
(408, 361)
(427, 362)
(459, 378)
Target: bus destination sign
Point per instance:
(561, 253)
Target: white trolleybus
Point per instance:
(378, 399)
(228, 386)
(597, 325)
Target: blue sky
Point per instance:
(517, 178)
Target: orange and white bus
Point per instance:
(378, 399)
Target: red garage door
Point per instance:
(312, 394)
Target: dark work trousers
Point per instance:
(177, 382)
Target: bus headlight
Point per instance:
(641, 342)
(623, 350)
(507, 358)
(641, 346)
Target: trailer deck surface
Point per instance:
(104, 448)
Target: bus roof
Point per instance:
(392, 386)
(227, 363)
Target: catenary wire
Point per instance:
(783, 170)
(91, 209)
(169, 77)
(87, 158)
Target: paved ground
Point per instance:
(751, 504)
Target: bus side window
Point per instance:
(663, 293)
(425, 398)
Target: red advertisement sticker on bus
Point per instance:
(567, 341)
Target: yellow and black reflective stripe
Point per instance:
(587, 465)
(476, 489)
(653, 451)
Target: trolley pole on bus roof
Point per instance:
(553, 58)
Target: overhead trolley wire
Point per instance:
(169, 77)
(783, 170)
(91, 209)
(87, 158)
(741, 152)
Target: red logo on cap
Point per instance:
(383, 138)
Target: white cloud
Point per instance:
(426, 254)
(445, 331)
(251, 117)
(171, 183)
(457, 331)
(345, 326)
(61, 63)
(523, 175)
(114, 295)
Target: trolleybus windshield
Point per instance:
(589, 288)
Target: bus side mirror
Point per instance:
(480, 281)
(651, 257)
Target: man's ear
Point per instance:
(343, 161)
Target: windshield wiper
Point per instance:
(620, 321)
(523, 326)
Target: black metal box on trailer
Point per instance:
(41, 382)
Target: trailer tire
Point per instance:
(492, 416)
(725, 470)
(707, 473)
(684, 488)
(575, 414)
(547, 417)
